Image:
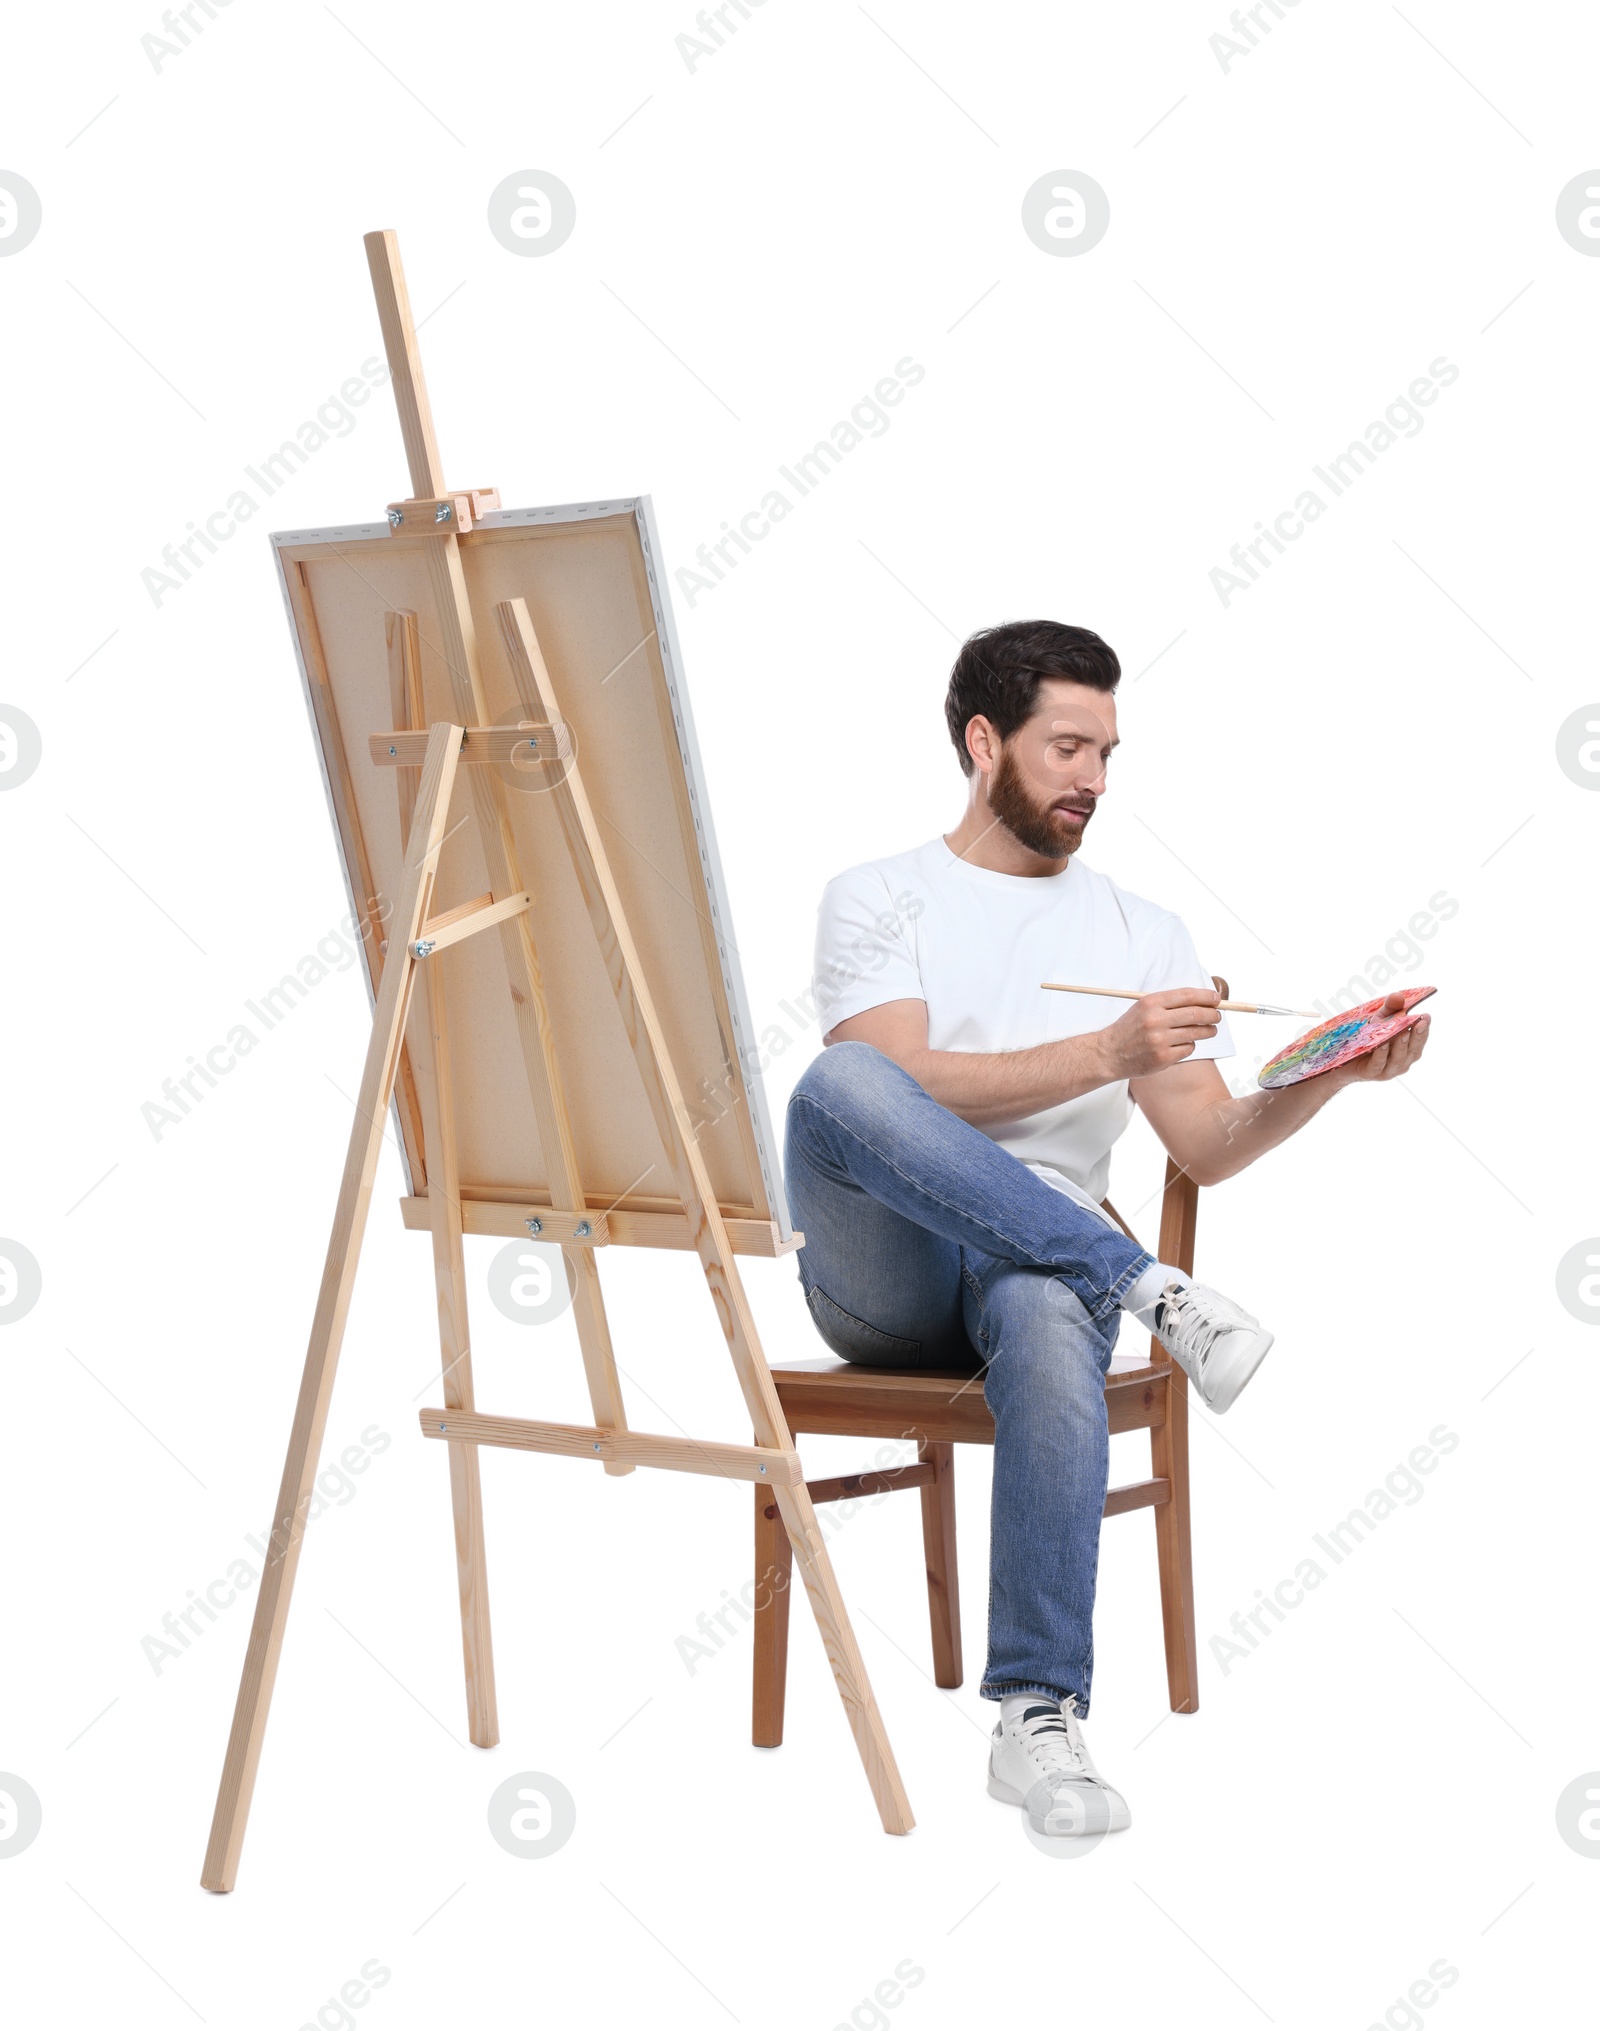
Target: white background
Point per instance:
(759, 240)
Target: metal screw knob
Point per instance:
(443, 512)
(583, 1230)
(535, 1226)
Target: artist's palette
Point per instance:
(1340, 1039)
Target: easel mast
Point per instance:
(417, 941)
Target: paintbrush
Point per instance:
(1134, 994)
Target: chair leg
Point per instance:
(1169, 1461)
(774, 1570)
(939, 1549)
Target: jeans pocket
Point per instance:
(853, 1339)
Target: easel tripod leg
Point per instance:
(692, 1180)
(294, 1493)
(327, 1327)
(450, 1277)
(849, 1670)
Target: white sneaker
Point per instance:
(1042, 1763)
(1216, 1343)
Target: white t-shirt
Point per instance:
(975, 945)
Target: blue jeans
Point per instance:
(927, 1245)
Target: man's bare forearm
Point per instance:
(985, 1086)
(1161, 1029)
(1222, 1139)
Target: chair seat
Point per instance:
(932, 1405)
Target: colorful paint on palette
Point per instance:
(1341, 1038)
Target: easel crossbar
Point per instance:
(630, 1226)
(451, 926)
(639, 1449)
(522, 747)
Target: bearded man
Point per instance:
(948, 1152)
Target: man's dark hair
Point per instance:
(998, 673)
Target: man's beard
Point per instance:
(1039, 827)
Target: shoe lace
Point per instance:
(1054, 1743)
(1194, 1326)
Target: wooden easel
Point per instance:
(415, 940)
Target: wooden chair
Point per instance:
(943, 1409)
